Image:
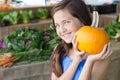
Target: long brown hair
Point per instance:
(78, 9)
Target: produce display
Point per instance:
(25, 46)
(23, 16)
(6, 7)
(43, 13)
(92, 39)
(7, 60)
(30, 45)
(113, 30)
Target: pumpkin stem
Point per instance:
(119, 17)
(95, 20)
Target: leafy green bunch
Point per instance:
(113, 29)
(23, 39)
(32, 44)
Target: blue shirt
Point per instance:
(66, 61)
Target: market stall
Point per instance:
(42, 70)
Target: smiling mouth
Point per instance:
(66, 35)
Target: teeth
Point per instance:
(66, 35)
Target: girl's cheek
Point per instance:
(58, 33)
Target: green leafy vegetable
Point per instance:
(2, 14)
(12, 17)
(32, 44)
(112, 29)
(23, 39)
(43, 13)
(24, 16)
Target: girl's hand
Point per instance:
(105, 53)
(77, 54)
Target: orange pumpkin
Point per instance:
(91, 39)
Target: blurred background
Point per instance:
(20, 24)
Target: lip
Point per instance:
(66, 35)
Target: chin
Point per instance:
(68, 41)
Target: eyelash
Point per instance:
(66, 22)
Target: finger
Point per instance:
(73, 41)
(75, 46)
(108, 51)
(81, 53)
(104, 50)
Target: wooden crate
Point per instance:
(34, 8)
(34, 71)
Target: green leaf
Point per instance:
(43, 13)
(24, 16)
(12, 17)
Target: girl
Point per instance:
(68, 63)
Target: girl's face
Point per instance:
(66, 25)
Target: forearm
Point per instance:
(94, 70)
(87, 70)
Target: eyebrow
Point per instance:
(61, 22)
